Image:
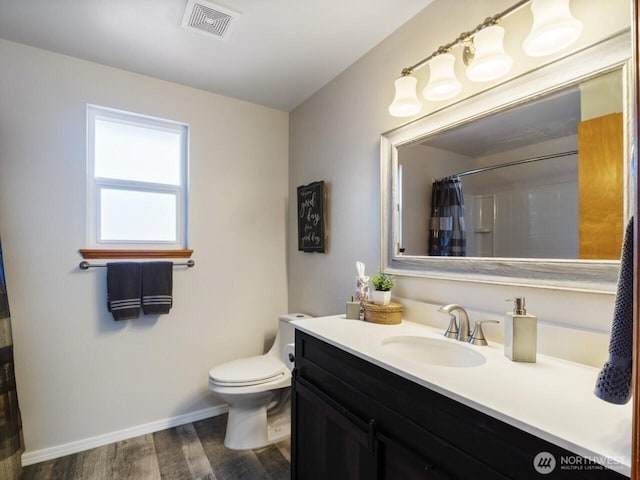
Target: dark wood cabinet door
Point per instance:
(397, 462)
(328, 442)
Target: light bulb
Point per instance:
(554, 28)
(490, 61)
(405, 102)
(443, 83)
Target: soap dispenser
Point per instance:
(520, 333)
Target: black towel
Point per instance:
(123, 290)
(157, 287)
(614, 381)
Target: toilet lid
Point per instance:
(248, 371)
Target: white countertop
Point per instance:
(552, 398)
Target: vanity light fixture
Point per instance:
(405, 102)
(554, 28)
(490, 61)
(443, 83)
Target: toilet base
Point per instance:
(256, 423)
(279, 423)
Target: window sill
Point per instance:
(91, 253)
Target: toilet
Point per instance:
(258, 392)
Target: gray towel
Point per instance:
(614, 382)
(123, 290)
(157, 287)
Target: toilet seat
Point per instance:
(248, 371)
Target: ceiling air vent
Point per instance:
(209, 19)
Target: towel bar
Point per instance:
(84, 265)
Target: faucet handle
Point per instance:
(477, 336)
(452, 329)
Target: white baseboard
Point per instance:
(29, 458)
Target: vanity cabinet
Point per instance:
(355, 420)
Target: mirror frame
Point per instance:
(598, 276)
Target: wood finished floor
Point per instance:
(188, 452)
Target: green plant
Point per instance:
(383, 282)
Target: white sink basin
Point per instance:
(433, 351)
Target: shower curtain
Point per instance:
(10, 422)
(447, 236)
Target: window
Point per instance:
(137, 181)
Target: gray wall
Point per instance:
(81, 375)
(335, 137)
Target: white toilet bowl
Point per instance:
(257, 390)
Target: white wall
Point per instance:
(335, 137)
(601, 96)
(537, 222)
(79, 373)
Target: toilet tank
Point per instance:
(286, 333)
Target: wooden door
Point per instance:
(600, 187)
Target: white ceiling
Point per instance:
(280, 51)
(547, 118)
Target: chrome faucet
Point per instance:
(461, 333)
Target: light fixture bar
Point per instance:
(554, 29)
(463, 37)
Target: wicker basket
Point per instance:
(387, 314)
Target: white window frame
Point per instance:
(95, 185)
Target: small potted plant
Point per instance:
(382, 284)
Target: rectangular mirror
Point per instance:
(526, 183)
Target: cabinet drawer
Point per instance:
(408, 413)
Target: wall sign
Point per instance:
(311, 217)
